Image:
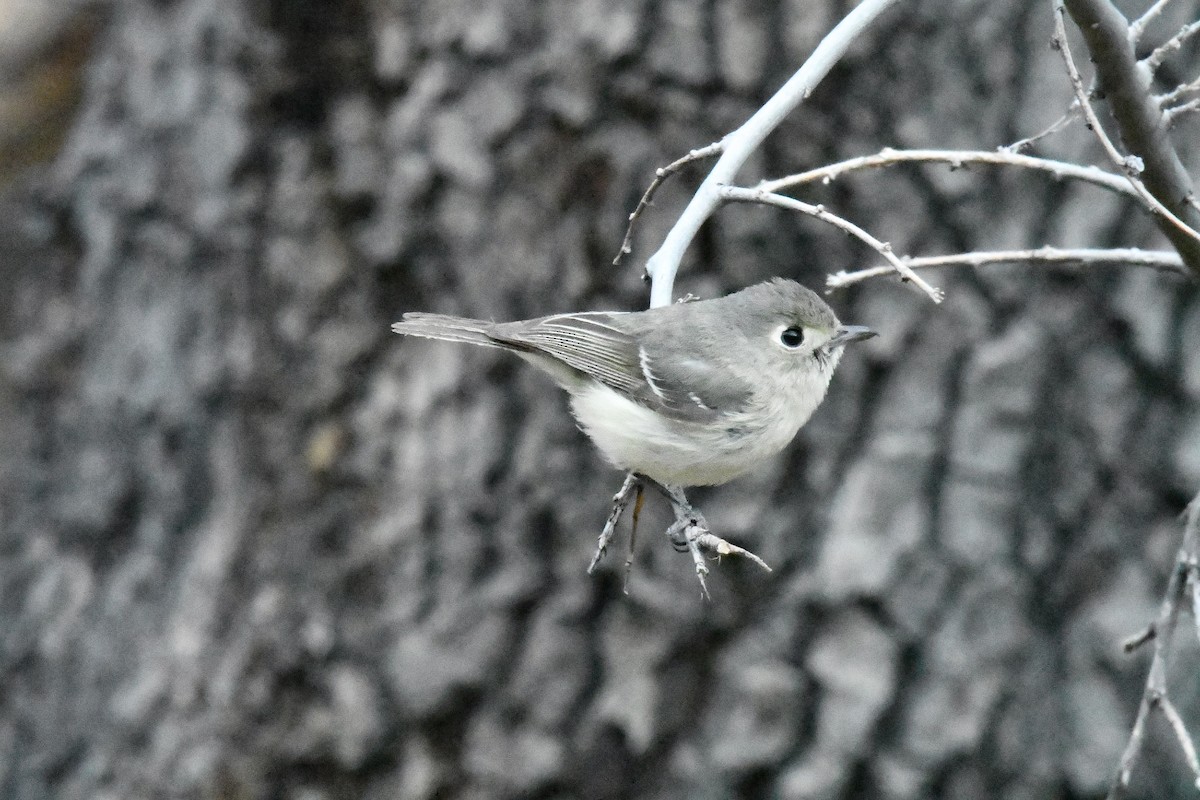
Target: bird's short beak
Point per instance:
(845, 334)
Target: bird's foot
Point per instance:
(690, 532)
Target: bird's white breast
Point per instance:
(685, 453)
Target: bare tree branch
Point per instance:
(1138, 26)
(1154, 696)
(1181, 735)
(1140, 638)
(1166, 260)
(1153, 61)
(1166, 183)
(738, 145)
(739, 195)
(1054, 127)
(660, 177)
(1171, 114)
(956, 159)
(1178, 92)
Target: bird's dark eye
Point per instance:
(792, 337)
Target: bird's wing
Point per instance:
(599, 345)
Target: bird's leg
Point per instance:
(685, 532)
(687, 529)
(637, 512)
(690, 530)
(620, 500)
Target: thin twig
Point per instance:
(660, 176)
(1182, 736)
(715, 544)
(740, 195)
(1194, 583)
(1154, 695)
(1153, 61)
(1054, 127)
(1178, 92)
(956, 159)
(1146, 634)
(1171, 114)
(1167, 260)
(738, 145)
(1138, 26)
(1132, 165)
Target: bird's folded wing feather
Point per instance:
(595, 343)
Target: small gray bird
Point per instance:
(691, 394)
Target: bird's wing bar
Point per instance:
(595, 344)
(692, 388)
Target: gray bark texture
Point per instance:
(256, 546)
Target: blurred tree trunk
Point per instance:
(255, 546)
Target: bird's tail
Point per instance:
(451, 329)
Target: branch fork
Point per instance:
(1185, 576)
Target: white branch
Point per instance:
(956, 159)
(1162, 633)
(1155, 59)
(1167, 260)
(1171, 114)
(1138, 26)
(738, 145)
(1178, 92)
(739, 195)
(1182, 737)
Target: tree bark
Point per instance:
(256, 546)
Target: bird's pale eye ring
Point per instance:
(792, 337)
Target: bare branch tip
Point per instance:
(1140, 638)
